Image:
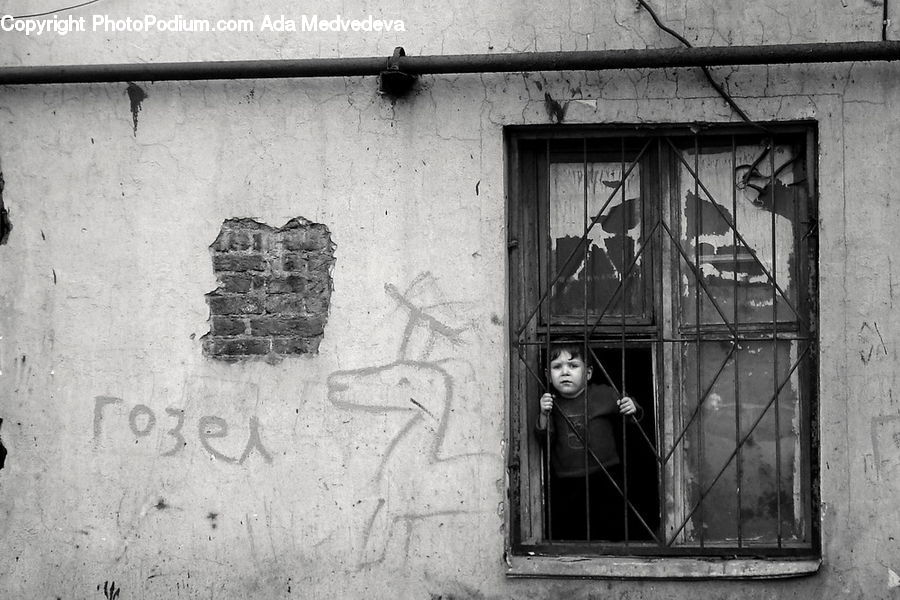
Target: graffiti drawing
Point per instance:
(418, 476)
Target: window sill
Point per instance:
(615, 567)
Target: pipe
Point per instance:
(462, 63)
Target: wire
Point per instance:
(721, 91)
(58, 10)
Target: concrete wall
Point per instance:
(138, 467)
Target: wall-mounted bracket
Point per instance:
(394, 82)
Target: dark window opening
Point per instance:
(637, 473)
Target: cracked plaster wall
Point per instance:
(118, 467)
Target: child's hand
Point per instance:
(627, 406)
(546, 403)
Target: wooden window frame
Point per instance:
(527, 545)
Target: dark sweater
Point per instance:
(567, 454)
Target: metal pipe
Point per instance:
(596, 60)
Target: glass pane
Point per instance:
(612, 243)
(739, 282)
(726, 416)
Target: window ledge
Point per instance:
(615, 567)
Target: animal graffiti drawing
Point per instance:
(420, 474)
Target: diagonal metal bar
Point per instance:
(619, 287)
(700, 404)
(740, 445)
(736, 232)
(592, 454)
(699, 278)
(584, 237)
(612, 480)
(627, 273)
(530, 371)
(612, 384)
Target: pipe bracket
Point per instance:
(394, 81)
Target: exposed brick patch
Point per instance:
(274, 289)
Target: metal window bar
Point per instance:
(677, 153)
(698, 313)
(735, 348)
(574, 429)
(741, 443)
(549, 321)
(735, 338)
(606, 472)
(584, 296)
(774, 195)
(624, 300)
(546, 293)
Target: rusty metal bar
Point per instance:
(698, 277)
(740, 237)
(737, 386)
(609, 476)
(772, 191)
(596, 60)
(739, 446)
(584, 299)
(698, 317)
(583, 240)
(547, 386)
(624, 301)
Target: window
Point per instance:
(682, 260)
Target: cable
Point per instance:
(721, 91)
(58, 10)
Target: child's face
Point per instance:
(569, 375)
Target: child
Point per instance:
(573, 471)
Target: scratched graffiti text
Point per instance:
(142, 421)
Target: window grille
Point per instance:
(682, 260)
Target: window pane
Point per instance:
(728, 414)
(613, 242)
(737, 268)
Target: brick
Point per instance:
(287, 326)
(236, 284)
(234, 305)
(295, 345)
(294, 239)
(286, 285)
(237, 346)
(317, 305)
(287, 304)
(238, 262)
(320, 261)
(318, 285)
(239, 240)
(225, 326)
(295, 262)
